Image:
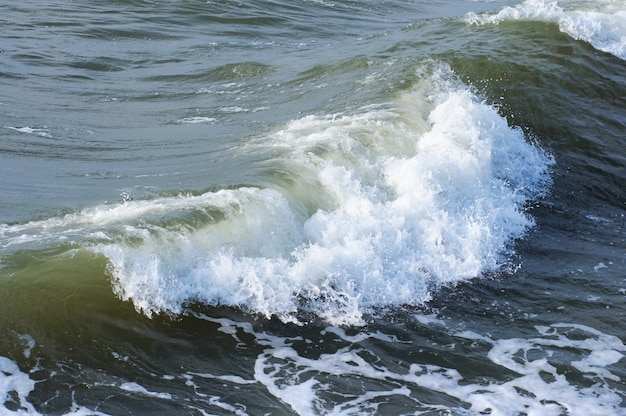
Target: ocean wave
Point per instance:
(365, 210)
(372, 209)
(602, 24)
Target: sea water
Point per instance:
(312, 207)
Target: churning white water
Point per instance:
(371, 209)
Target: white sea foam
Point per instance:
(541, 374)
(196, 120)
(30, 344)
(139, 389)
(16, 386)
(538, 389)
(561, 369)
(601, 23)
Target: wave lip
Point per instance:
(602, 24)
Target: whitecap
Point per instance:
(600, 23)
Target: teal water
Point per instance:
(312, 207)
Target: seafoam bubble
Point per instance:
(373, 209)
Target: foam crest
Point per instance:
(601, 23)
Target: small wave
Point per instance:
(196, 120)
(602, 24)
(41, 132)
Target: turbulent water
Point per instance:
(312, 207)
